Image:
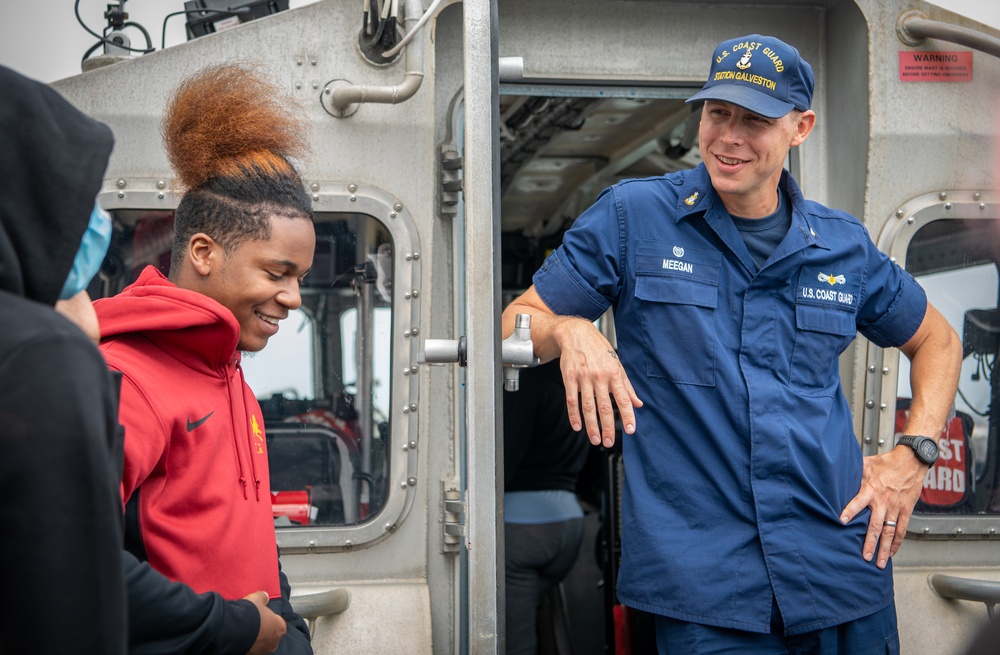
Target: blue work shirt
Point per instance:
(744, 453)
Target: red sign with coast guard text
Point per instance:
(919, 66)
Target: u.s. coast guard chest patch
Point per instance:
(828, 286)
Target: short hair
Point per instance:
(229, 135)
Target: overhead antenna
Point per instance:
(116, 44)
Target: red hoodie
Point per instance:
(194, 438)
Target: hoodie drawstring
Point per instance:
(250, 436)
(236, 442)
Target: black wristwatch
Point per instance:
(925, 448)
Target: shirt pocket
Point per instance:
(822, 334)
(678, 326)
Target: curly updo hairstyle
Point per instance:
(229, 134)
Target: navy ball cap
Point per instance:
(761, 74)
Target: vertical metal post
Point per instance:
(365, 362)
(482, 239)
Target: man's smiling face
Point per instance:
(745, 152)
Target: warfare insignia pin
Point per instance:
(832, 279)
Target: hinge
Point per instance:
(453, 531)
(451, 179)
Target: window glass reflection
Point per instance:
(956, 263)
(267, 372)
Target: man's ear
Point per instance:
(204, 253)
(805, 124)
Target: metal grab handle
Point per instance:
(517, 351)
(444, 351)
(950, 586)
(913, 28)
(312, 606)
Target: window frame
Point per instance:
(882, 364)
(331, 197)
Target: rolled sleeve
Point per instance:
(894, 304)
(583, 276)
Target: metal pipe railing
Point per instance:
(950, 586)
(325, 603)
(913, 28)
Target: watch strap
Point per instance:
(914, 441)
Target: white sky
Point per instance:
(42, 39)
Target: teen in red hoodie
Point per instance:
(198, 502)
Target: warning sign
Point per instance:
(916, 66)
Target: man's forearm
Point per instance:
(548, 330)
(594, 378)
(935, 363)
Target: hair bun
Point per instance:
(226, 120)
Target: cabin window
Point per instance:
(328, 432)
(956, 262)
(323, 382)
(382, 323)
(267, 371)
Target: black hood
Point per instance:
(52, 162)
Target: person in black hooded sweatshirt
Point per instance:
(60, 445)
(68, 581)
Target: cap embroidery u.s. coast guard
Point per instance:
(760, 73)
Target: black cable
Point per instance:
(149, 41)
(104, 40)
(228, 12)
(984, 370)
(969, 405)
(381, 23)
(91, 51)
(76, 8)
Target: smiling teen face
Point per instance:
(745, 153)
(257, 280)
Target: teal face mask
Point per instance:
(93, 248)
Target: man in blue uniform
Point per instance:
(751, 522)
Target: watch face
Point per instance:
(929, 450)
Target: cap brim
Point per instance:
(754, 101)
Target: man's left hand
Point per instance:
(890, 486)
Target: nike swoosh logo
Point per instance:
(194, 424)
